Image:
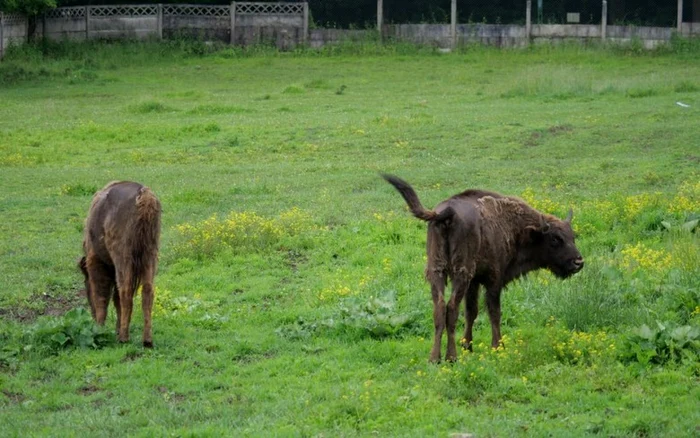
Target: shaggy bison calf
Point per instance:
(121, 252)
(483, 238)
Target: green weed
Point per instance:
(375, 317)
(75, 329)
(665, 343)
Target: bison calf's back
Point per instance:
(120, 243)
(481, 238)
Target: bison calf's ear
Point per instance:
(533, 234)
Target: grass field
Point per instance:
(290, 298)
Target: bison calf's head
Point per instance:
(554, 245)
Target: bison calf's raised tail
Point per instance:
(481, 238)
(121, 252)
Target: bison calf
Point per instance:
(483, 238)
(121, 252)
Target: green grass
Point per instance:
(311, 316)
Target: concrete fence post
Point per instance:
(380, 17)
(528, 20)
(679, 19)
(604, 21)
(2, 38)
(305, 35)
(160, 21)
(233, 23)
(87, 23)
(453, 25)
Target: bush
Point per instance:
(667, 343)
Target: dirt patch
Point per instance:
(171, 396)
(559, 129)
(536, 137)
(47, 303)
(88, 390)
(294, 258)
(132, 356)
(533, 140)
(14, 397)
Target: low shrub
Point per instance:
(663, 344)
(375, 317)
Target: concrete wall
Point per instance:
(64, 23)
(206, 28)
(13, 30)
(285, 25)
(321, 37)
(283, 30)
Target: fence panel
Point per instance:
(14, 30)
(65, 23)
(122, 21)
(201, 21)
(283, 24)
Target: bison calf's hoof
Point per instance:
(147, 344)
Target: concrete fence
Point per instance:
(13, 30)
(287, 24)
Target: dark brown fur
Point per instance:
(122, 231)
(484, 238)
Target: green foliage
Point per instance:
(78, 189)
(27, 7)
(299, 329)
(685, 227)
(663, 344)
(75, 329)
(376, 317)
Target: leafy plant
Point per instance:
(299, 329)
(74, 329)
(375, 317)
(664, 344)
(685, 227)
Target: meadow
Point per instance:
(290, 298)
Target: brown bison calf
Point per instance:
(483, 238)
(121, 252)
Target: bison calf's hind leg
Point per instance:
(126, 299)
(493, 303)
(101, 285)
(118, 307)
(438, 292)
(471, 310)
(147, 296)
(459, 288)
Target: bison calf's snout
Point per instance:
(578, 264)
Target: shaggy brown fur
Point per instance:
(483, 238)
(121, 252)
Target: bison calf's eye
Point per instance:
(556, 241)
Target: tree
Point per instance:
(31, 8)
